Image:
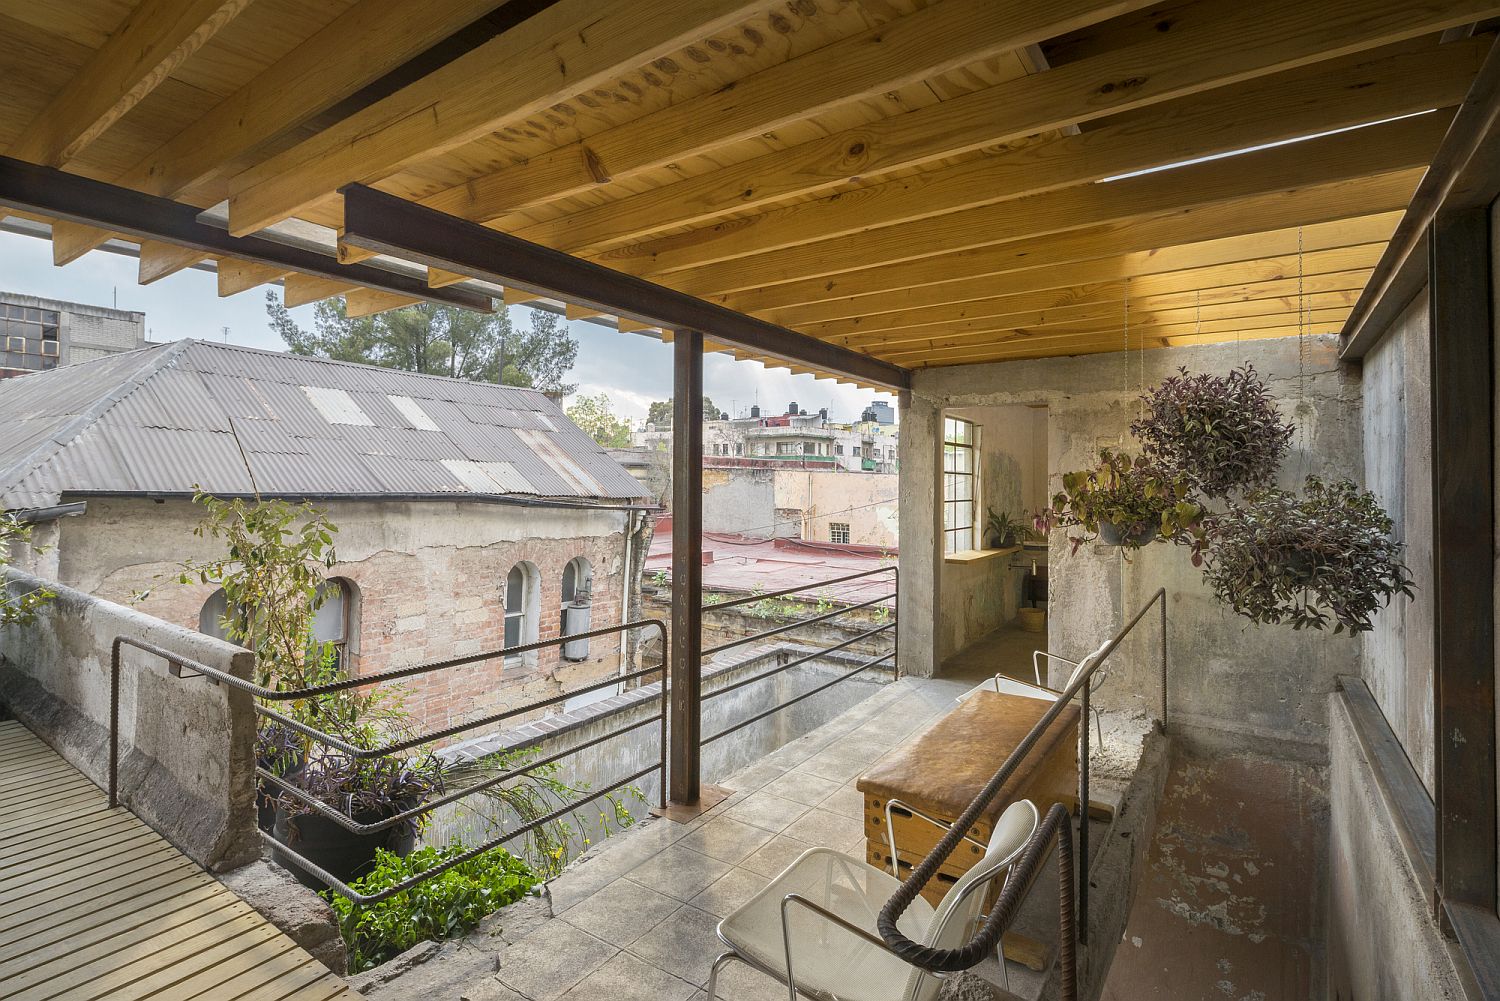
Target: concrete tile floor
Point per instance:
(636, 918)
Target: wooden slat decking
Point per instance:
(96, 905)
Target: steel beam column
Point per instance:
(1463, 456)
(687, 566)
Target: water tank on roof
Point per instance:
(791, 408)
(823, 413)
(755, 411)
(576, 619)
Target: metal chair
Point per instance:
(813, 928)
(1012, 686)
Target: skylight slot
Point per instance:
(337, 406)
(413, 412)
(1255, 149)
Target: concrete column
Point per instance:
(921, 516)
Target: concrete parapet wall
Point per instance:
(1382, 939)
(187, 763)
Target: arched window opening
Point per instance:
(577, 597)
(520, 612)
(213, 615)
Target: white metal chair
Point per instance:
(1012, 686)
(813, 928)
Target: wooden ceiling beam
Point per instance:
(71, 240)
(1144, 313)
(884, 58)
(557, 53)
(152, 42)
(1022, 344)
(362, 302)
(1113, 346)
(368, 40)
(1335, 246)
(1209, 286)
(237, 276)
(1348, 200)
(159, 260)
(300, 289)
(1380, 149)
(1405, 79)
(1205, 45)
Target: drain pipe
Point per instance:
(626, 577)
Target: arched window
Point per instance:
(521, 605)
(337, 619)
(577, 589)
(212, 616)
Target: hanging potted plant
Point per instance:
(1223, 434)
(1125, 502)
(1323, 559)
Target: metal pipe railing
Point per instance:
(988, 936)
(178, 663)
(892, 656)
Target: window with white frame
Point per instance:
(838, 531)
(958, 484)
(521, 605)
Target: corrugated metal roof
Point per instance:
(174, 417)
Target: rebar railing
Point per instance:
(1071, 928)
(821, 652)
(177, 664)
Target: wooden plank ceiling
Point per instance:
(932, 182)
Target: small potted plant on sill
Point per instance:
(1326, 558)
(1005, 531)
(1125, 502)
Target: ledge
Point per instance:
(980, 555)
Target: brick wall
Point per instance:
(427, 581)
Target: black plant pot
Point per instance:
(1113, 535)
(340, 852)
(266, 792)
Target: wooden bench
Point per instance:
(946, 766)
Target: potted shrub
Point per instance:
(1222, 434)
(1323, 559)
(1125, 502)
(1003, 530)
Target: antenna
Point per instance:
(226, 334)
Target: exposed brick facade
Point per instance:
(428, 583)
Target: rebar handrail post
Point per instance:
(1162, 723)
(1083, 820)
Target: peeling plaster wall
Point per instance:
(1260, 683)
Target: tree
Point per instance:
(437, 340)
(660, 411)
(596, 417)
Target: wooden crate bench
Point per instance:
(941, 771)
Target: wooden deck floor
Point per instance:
(96, 905)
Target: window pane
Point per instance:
(963, 488)
(512, 631)
(964, 538)
(515, 585)
(211, 618)
(328, 620)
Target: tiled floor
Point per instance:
(636, 919)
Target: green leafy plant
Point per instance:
(1005, 530)
(18, 609)
(441, 907)
(1223, 434)
(1129, 501)
(531, 796)
(1326, 558)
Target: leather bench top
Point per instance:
(948, 764)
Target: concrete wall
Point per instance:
(186, 747)
(743, 502)
(1261, 681)
(429, 579)
(801, 504)
(1382, 940)
(1396, 658)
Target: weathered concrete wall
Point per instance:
(1261, 681)
(743, 501)
(866, 502)
(1397, 656)
(186, 746)
(429, 579)
(1382, 941)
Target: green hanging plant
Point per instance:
(1126, 502)
(1324, 559)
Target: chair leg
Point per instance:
(713, 974)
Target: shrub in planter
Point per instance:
(1223, 434)
(446, 905)
(1323, 559)
(1125, 502)
(1003, 530)
(367, 791)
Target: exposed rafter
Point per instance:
(390, 225)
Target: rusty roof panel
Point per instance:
(171, 417)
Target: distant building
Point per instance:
(471, 516)
(41, 334)
(795, 440)
(880, 412)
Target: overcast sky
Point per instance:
(633, 370)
